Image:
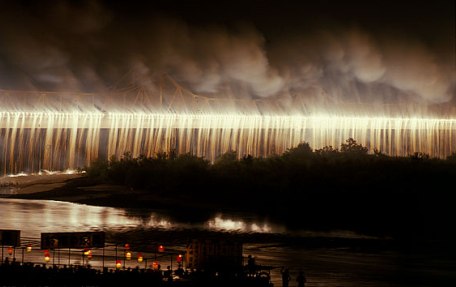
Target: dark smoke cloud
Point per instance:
(92, 47)
(351, 65)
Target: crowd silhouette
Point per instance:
(13, 273)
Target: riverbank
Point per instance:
(324, 210)
(78, 188)
(20, 184)
(327, 259)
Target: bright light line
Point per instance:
(60, 140)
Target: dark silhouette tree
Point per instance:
(378, 153)
(452, 157)
(227, 158)
(303, 150)
(352, 147)
(419, 156)
(327, 151)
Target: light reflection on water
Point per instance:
(35, 216)
(324, 266)
(222, 223)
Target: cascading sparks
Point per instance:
(32, 141)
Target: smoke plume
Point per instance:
(89, 47)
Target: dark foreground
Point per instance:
(341, 263)
(410, 201)
(28, 274)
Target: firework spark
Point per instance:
(46, 140)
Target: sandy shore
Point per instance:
(34, 183)
(78, 188)
(64, 186)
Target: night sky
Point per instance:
(321, 51)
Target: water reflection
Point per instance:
(35, 216)
(219, 223)
(330, 265)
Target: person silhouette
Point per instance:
(251, 264)
(301, 279)
(168, 274)
(285, 277)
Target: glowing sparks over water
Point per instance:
(227, 224)
(31, 141)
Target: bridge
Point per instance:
(164, 95)
(60, 130)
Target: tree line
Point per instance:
(345, 187)
(171, 168)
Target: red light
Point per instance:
(127, 246)
(155, 265)
(118, 264)
(179, 258)
(47, 256)
(10, 250)
(161, 248)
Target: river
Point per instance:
(337, 258)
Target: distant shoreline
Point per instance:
(17, 185)
(79, 188)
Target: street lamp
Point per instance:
(47, 256)
(179, 260)
(88, 253)
(118, 264)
